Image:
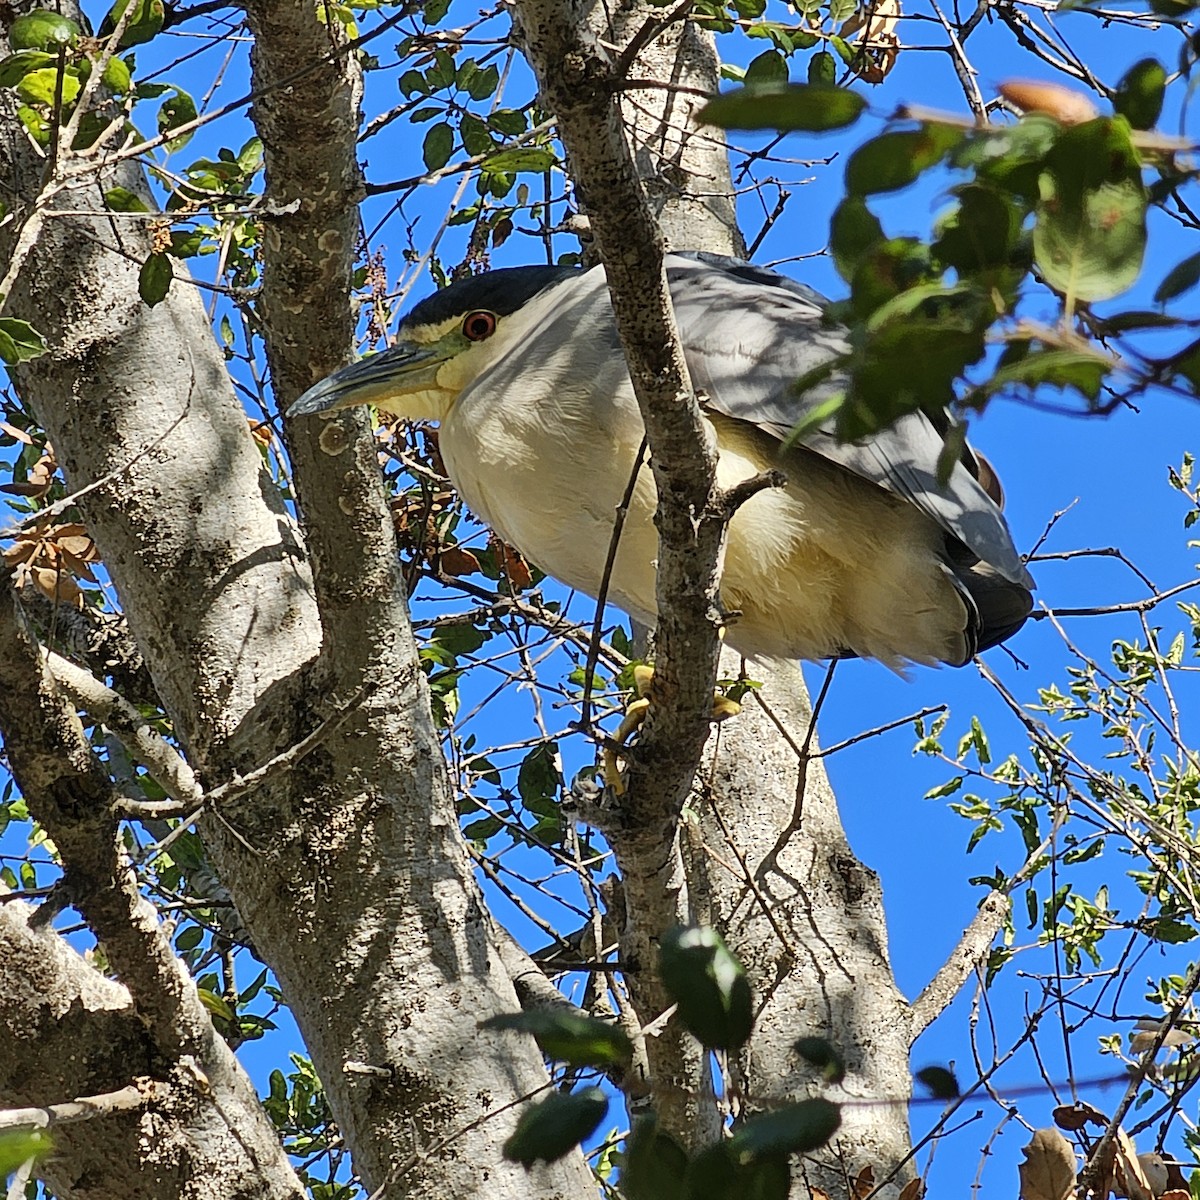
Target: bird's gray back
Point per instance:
(749, 334)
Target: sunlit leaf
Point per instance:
(19, 341)
(145, 21)
(894, 160)
(18, 1146)
(176, 110)
(42, 30)
(1090, 234)
(1139, 95)
(812, 107)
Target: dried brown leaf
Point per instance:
(22, 550)
(1048, 1172)
(1075, 1116)
(914, 1189)
(455, 560)
(78, 546)
(879, 46)
(1129, 1175)
(1154, 1167)
(57, 586)
(1147, 1032)
(864, 1185)
(79, 567)
(1061, 103)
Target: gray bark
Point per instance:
(349, 874)
(806, 917)
(73, 1033)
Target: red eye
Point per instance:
(479, 325)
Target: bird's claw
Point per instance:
(723, 707)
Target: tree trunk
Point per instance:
(348, 870)
(802, 914)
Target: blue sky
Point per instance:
(1109, 474)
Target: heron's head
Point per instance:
(446, 342)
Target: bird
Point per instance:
(862, 552)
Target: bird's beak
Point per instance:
(403, 368)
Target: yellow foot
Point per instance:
(722, 708)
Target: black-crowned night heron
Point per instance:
(863, 551)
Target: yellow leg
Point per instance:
(722, 708)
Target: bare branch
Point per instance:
(85, 1108)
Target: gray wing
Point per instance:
(750, 334)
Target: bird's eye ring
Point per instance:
(479, 325)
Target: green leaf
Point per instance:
(479, 83)
(41, 87)
(708, 984)
(1090, 234)
(822, 69)
(508, 121)
(945, 789)
(145, 21)
(19, 341)
(885, 269)
(569, 1037)
(768, 69)
(188, 938)
(796, 1129)
(894, 160)
(1167, 929)
(15, 67)
(42, 30)
(459, 638)
(1182, 277)
(20, 1145)
(121, 199)
(940, 1083)
(822, 1055)
(412, 83)
(555, 1126)
(653, 1164)
(117, 76)
(176, 110)
(475, 136)
(714, 1175)
(1187, 364)
(805, 106)
(155, 278)
(521, 158)
(853, 230)
(438, 146)
(1079, 369)
(981, 232)
(1139, 95)
(250, 157)
(538, 778)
